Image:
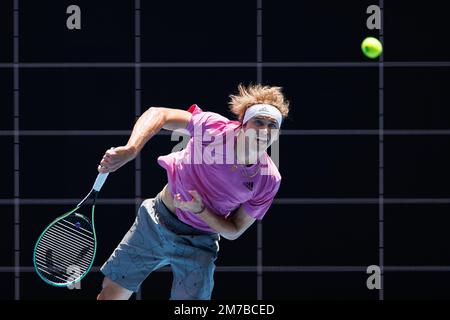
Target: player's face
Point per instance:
(265, 128)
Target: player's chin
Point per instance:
(262, 144)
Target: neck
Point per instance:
(243, 159)
(242, 154)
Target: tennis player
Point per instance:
(218, 185)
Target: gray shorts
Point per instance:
(158, 238)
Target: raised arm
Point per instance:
(148, 124)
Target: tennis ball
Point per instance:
(371, 47)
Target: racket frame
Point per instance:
(92, 194)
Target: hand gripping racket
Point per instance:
(65, 251)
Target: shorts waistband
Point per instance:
(171, 221)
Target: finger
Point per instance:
(179, 205)
(110, 152)
(195, 195)
(110, 160)
(103, 169)
(104, 162)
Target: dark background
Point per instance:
(324, 227)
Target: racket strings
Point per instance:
(59, 267)
(65, 251)
(64, 233)
(60, 255)
(60, 245)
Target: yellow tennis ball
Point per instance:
(371, 47)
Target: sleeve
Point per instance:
(258, 206)
(205, 123)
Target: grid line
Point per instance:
(361, 201)
(287, 132)
(112, 65)
(277, 201)
(137, 107)
(16, 91)
(381, 156)
(6, 269)
(259, 80)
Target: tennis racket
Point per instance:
(65, 251)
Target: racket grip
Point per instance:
(101, 178)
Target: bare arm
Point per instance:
(151, 122)
(148, 124)
(230, 228)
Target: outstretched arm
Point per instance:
(148, 124)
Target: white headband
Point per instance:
(263, 110)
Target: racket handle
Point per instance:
(101, 178)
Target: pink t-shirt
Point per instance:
(223, 186)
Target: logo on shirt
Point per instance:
(249, 185)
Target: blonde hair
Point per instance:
(256, 94)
